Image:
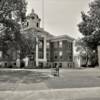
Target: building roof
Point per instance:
(37, 32)
(41, 32)
(61, 37)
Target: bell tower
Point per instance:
(33, 20)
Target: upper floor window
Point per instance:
(55, 44)
(40, 44)
(60, 44)
(48, 44)
(69, 45)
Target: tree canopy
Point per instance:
(90, 25)
(12, 14)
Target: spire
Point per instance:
(32, 12)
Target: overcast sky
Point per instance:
(60, 16)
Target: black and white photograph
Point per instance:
(49, 49)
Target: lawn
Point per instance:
(22, 76)
(40, 79)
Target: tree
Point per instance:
(12, 14)
(86, 53)
(90, 26)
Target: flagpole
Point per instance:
(43, 14)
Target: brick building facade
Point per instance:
(60, 51)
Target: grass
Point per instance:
(21, 76)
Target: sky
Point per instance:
(60, 16)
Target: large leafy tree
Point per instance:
(87, 54)
(90, 27)
(12, 14)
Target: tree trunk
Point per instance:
(87, 59)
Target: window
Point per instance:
(40, 44)
(40, 55)
(60, 44)
(60, 65)
(48, 56)
(69, 45)
(0, 54)
(48, 44)
(37, 25)
(55, 44)
(33, 17)
(60, 54)
(70, 58)
(55, 55)
(41, 48)
(55, 64)
(27, 24)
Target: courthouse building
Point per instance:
(48, 50)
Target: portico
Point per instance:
(40, 50)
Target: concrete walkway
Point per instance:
(57, 94)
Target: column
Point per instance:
(45, 58)
(37, 62)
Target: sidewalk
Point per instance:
(57, 94)
(34, 84)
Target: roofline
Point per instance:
(61, 37)
(52, 38)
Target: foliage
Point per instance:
(12, 13)
(90, 25)
(90, 29)
(87, 54)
